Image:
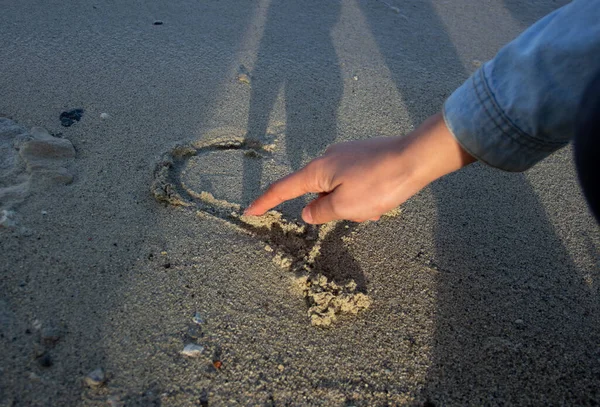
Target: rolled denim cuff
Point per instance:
(480, 125)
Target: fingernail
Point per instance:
(306, 215)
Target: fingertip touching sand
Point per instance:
(179, 178)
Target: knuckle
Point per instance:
(314, 175)
(316, 164)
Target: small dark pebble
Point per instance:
(70, 117)
(28, 331)
(158, 22)
(45, 360)
(204, 398)
(167, 265)
(218, 352)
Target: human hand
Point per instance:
(361, 180)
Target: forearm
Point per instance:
(521, 106)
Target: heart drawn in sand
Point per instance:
(197, 175)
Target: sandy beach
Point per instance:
(132, 136)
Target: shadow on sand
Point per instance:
(514, 320)
(296, 56)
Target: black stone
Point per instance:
(70, 117)
(204, 398)
(158, 22)
(45, 360)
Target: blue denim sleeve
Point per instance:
(521, 106)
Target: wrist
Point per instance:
(434, 151)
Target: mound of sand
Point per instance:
(29, 160)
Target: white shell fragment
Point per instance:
(192, 350)
(104, 116)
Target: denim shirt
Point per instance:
(521, 106)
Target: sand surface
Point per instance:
(129, 278)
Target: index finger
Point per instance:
(289, 187)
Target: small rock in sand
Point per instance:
(43, 155)
(192, 350)
(69, 117)
(104, 116)
(197, 318)
(44, 145)
(95, 378)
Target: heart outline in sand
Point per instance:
(295, 246)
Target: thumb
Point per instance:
(321, 210)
